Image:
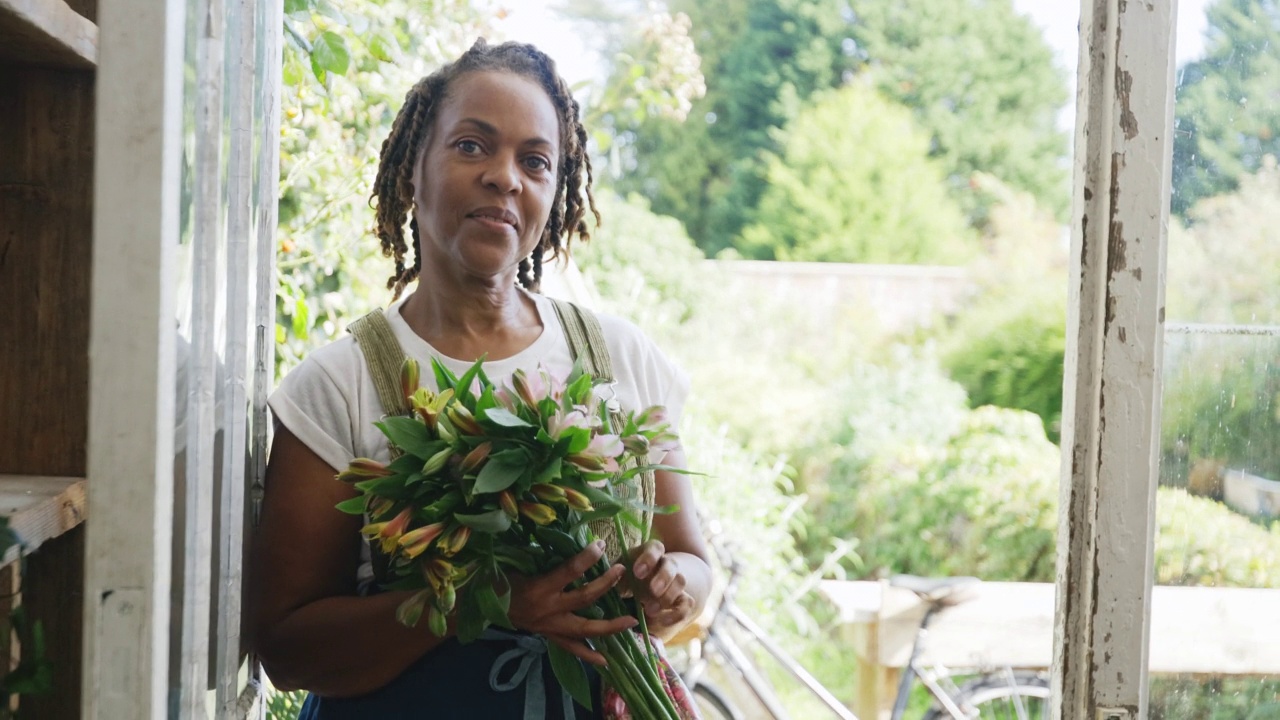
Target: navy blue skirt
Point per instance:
(488, 678)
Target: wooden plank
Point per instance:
(40, 508)
(46, 205)
(1194, 630)
(47, 33)
(53, 593)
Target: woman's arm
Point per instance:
(672, 573)
(309, 627)
(312, 631)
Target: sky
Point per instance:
(534, 21)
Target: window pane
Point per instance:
(1220, 459)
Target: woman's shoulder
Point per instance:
(338, 362)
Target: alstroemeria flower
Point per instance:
(537, 512)
(637, 445)
(653, 419)
(438, 573)
(547, 492)
(389, 532)
(364, 469)
(531, 389)
(378, 506)
(436, 462)
(600, 455)
(462, 420)
(409, 377)
(429, 405)
(577, 500)
(508, 502)
(476, 457)
(415, 542)
(561, 421)
(456, 540)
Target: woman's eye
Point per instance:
(469, 147)
(537, 163)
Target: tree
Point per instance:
(1227, 120)
(854, 183)
(981, 80)
(761, 59)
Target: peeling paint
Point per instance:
(1124, 86)
(1122, 334)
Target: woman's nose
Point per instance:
(502, 175)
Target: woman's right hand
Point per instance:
(546, 605)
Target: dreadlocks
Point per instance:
(393, 187)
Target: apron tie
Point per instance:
(528, 653)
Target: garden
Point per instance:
(836, 445)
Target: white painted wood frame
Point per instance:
(131, 350)
(1115, 333)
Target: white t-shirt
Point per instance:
(329, 401)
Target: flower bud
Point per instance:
(508, 502)
(448, 598)
(436, 462)
(409, 377)
(436, 621)
(637, 445)
(537, 512)
(415, 542)
(577, 500)
(364, 469)
(462, 420)
(455, 540)
(377, 506)
(476, 457)
(547, 492)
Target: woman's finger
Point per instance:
(574, 568)
(646, 559)
(577, 648)
(581, 597)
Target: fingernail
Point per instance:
(599, 545)
(641, 570)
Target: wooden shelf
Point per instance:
(40, 508)
(47, 33)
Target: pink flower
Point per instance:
(600, 455)
(561, 421)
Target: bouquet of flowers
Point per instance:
(493, 479)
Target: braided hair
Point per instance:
(393, 187)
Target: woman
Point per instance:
(487, 163)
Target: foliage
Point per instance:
(761, 59)
(1226, 120)
(1011, 355)
(1225, 266)
(853, 183)
(981, 80)
(1221, 404)
(1201, 542)
(1007, 345)
(1224, 698)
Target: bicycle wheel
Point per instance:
(992, 696)
(712, 704)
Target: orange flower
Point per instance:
(415, 542)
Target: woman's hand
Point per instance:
(546, 605)
(659, 587)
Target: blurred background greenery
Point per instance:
(853, 131)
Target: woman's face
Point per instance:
(487, 179)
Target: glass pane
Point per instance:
(1217, 545)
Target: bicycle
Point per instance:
(1002, 693)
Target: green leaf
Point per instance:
(445, 379)
(291, 73)
(498, 474)
(505, 418)
(409, 612)
(329, 52)
(463, 387)
(551, 472)
(493, 607)
(353, 506)
(409, 435)
(571, 674)
(494, 521)
(383, 46)
(392, 487)
(518, 558)
(579, 439)
(297, 6)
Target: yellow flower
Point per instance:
(455, 540)
(577, 500)
(415, 542)
(389, 532)
(537, 512)
(364, 469)
(547, 492)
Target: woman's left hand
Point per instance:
(657, 583)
